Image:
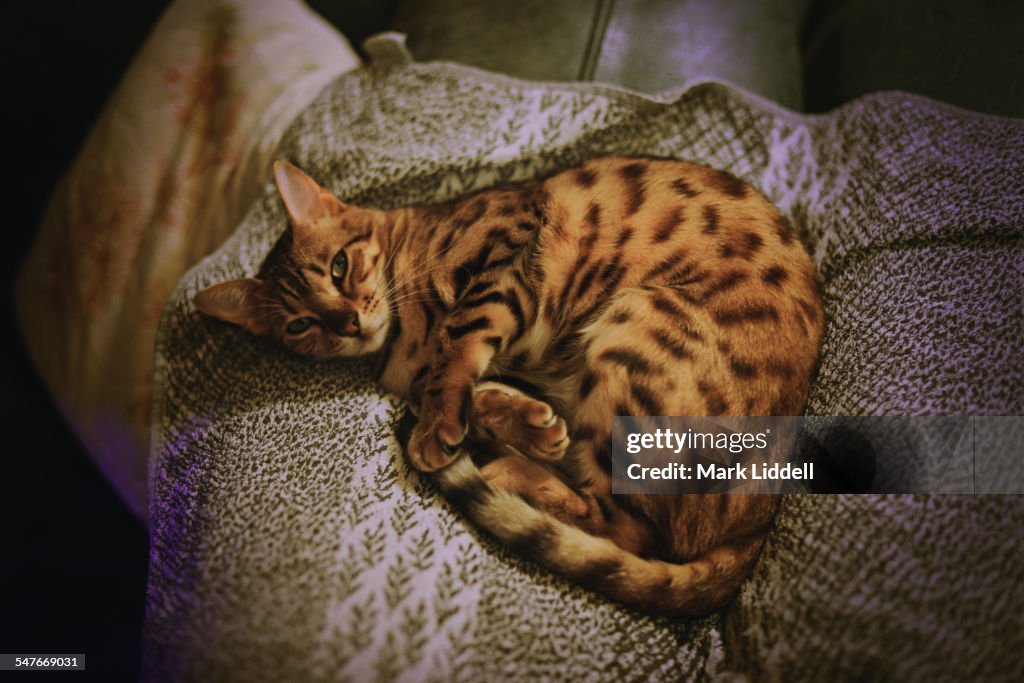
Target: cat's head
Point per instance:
(322, 289)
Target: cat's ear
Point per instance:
(236, 302)
(306, 201)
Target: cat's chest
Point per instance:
(416, 347)
(409, 357)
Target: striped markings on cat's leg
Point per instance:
(637, 359)
(477, 328)
(537, 485)
(509, 416)
(640, 357)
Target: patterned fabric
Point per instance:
(175, 160)
(290, 541)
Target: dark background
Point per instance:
(73, 573)
(74, 560)
(74, 557)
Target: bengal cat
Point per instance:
(520, 320)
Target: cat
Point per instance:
(521, 319)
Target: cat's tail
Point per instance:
(652, 586)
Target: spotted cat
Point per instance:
(519, 320)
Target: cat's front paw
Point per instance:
(435, 441)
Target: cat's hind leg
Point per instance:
(648, 353)
(538, 485)
(509, 416)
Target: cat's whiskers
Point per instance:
(421, 273)
(394, 251)
(425, 270)
(393, 300)
(387, 281)
(393, 285)
(407, 301)
(414, 278)
(410, 295)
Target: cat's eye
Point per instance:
(299, 325)
(338, 267)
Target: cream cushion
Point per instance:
(177, 156)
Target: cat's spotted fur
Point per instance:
(521, 319)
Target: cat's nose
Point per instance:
(342, 323)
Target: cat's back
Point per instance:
(669, 221)
(723, 258)
(657, 199)
(652, 211)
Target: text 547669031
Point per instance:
(42, 662)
